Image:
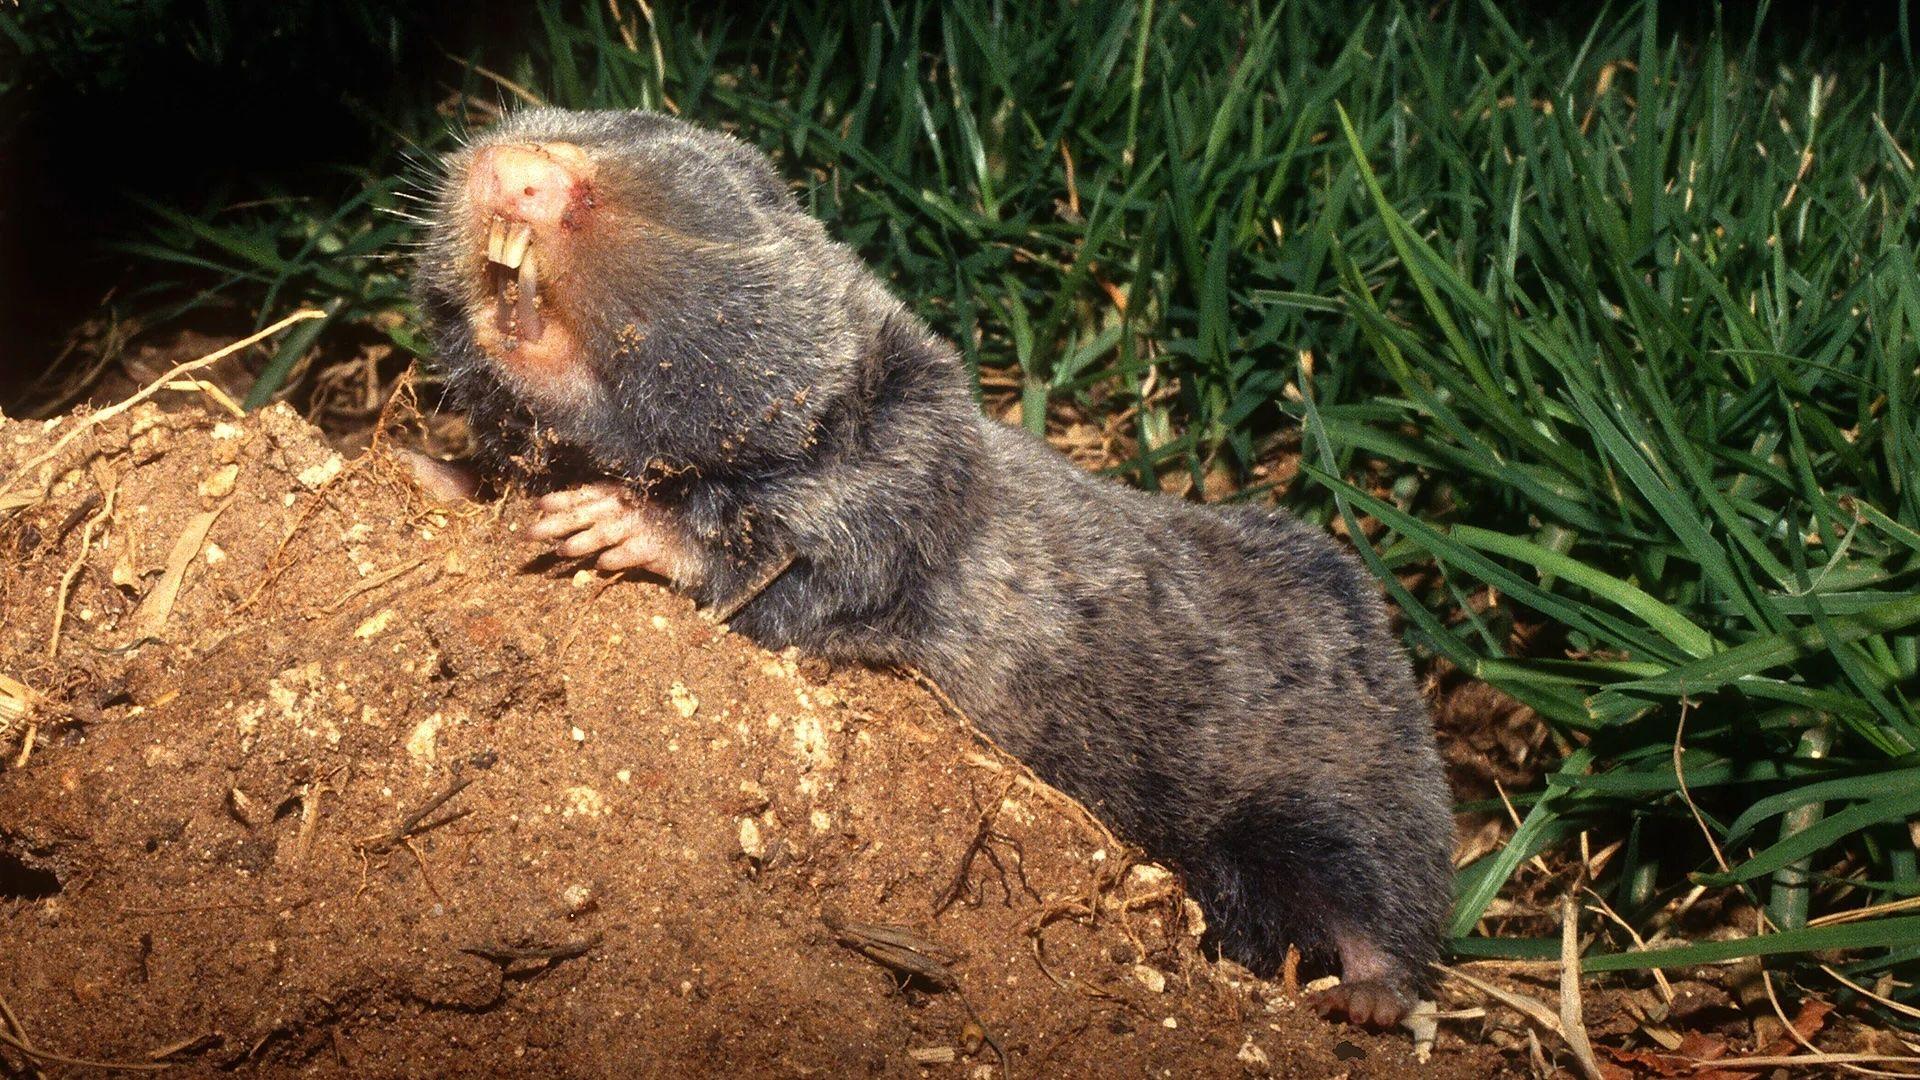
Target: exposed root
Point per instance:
(73, 570)
(14, 1036)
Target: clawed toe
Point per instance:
(577, 516)
(1366, 1004)
(613, 527)
(574, 498)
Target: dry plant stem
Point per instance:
(1680, 775)
(551, 954)
(26, 746)
(1659, 977)
(309, 813)
(659, 58)
(11, 1024)
(372, 583)
(152, 388)
(310, 796)
(754, 589)
(177, 1046)
(1773, 1000)
(1671, 914)
(73, 572)
(1571, 1020)
(1793, 1032)
(60, 399)
(1872, 911)
(1823, 1061)
(411, 823)
(150, 618)
(1904, 1010)
(1514, 815)
(502, 81)
(1537, 1056)
(425, 874)
(213, 391)
(1530, 1007)
(908, 955)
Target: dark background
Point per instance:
(195, 103)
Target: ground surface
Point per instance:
(661, 850)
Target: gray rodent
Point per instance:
(638, 307)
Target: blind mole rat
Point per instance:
(639, 305)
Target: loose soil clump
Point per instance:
(305, 772)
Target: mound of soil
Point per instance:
(305, 772)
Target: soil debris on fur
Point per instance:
(317, 775)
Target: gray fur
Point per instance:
(1219, 684)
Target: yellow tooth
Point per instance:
(496, 238)
(526, 316)
(519, 238)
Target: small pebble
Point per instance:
(683, 700)
(752, 844)
(578, 900)
(219, 483)
(755, 795)
(315, 476)
(972, 1036)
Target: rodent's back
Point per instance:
(1241, 598)
(1219, 682)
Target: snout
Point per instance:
(544, 185)
(529, 203)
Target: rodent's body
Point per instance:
(793, 447)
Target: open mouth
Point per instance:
(513, 271)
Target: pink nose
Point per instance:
(537, 184)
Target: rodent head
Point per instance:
(646, 289)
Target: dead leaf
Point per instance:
(1807, 1022)
(1695, 1047)
(154, 610)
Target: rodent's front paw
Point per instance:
(625, 532)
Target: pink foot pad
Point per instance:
(1366, 1003)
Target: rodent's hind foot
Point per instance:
(1368, 1003)
(1369, 994)
(618, 529)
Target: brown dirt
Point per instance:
(203, 859)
